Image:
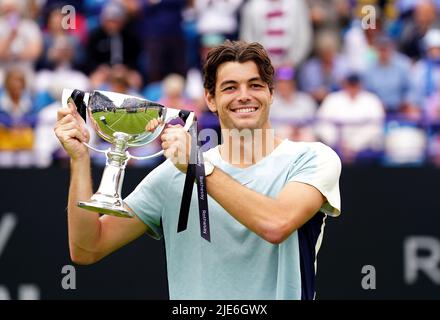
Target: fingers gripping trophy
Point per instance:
(124, 121)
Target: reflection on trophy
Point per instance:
(124, 121)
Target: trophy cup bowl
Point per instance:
(124, 121)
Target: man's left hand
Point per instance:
(176, 143)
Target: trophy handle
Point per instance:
(145, 157)
(187, 116)
(94, 149)
(79, 97)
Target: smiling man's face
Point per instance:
(242, 99)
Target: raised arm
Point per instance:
(90, 237)
(273, 219)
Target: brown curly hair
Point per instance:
(237, 51)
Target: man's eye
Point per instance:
(228, 88)
(256, 85)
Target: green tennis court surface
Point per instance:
(122, 121)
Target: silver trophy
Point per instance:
(124, 121)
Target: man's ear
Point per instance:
(210, 101)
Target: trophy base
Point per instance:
(105, 208)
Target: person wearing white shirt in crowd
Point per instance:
(21, 40)
(351, 120)
(217, 17)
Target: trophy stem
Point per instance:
(108, 200)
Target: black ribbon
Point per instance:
(78, 98)
(196, 170)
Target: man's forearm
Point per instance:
(84, 225)
(257, 212)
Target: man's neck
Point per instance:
(245, 149)
(15, 99)
(385, 62)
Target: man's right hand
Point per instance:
(71, 130)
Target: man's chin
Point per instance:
(246, 125)
(242, 124)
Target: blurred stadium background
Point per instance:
(361, 76)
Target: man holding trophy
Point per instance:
(268, 198)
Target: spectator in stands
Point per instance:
(111, 43)
(53, 31)
(162, 36)
(388, 77)
(20, 39)
(351, 121)
(358, 43)
(424, 17)
(173, 93)
(76, 21)
(329, 14)
(292, 111)
(217, 17)
(61, 56)
(283, 27)
(17, 119)
(118, 78)
(425, 75)
(324, 73)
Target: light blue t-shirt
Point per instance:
(237, 263)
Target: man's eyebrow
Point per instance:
(226, 82)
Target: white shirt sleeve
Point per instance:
(320, 167)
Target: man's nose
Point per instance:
(244, 94)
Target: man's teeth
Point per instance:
(244, 110)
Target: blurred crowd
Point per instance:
(361, 76)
